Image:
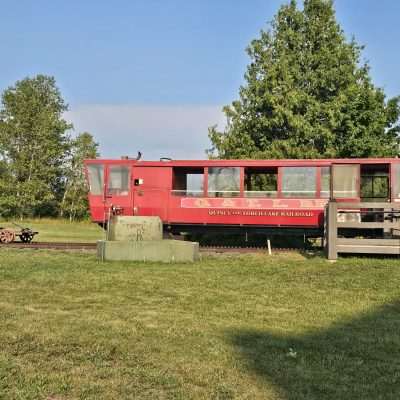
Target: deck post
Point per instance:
(331, 222)
(387, 232)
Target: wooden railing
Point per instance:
(389, 215)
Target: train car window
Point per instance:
(325, 182)
(96, 178)
(261, 182)
(374, 187)
(224, 182)
(374, 182)
(345, 181)
(299, 181)
(396, 183)
(188, 182)
(118, 180)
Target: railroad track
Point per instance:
(92, 246)
(50, 245)
(233, 249)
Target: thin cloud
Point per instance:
(178, 132)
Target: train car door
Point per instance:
(151, 188)
(375, 182)
(345, 182)
(117, 189)
(95, 176)
(395, 182)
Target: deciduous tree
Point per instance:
(307, 95)
(33, 145)
(74, 204)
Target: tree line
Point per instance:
(307, 94)
(41, 164)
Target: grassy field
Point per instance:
(238, 327)
(58, 230)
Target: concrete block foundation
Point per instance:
(156, 250)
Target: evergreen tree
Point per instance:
(74, 204)
(307, 95)
(33, 146)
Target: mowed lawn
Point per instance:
(59, 230)
(228, 327)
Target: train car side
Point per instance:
(257, 194)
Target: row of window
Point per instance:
(222, 181)
(258, 182)
(296, 182)
(118, 179)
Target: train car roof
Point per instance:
(244, 162)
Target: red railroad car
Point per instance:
(260, 195)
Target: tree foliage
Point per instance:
(41, 166)
(307, 95)
(33, 146)
(74, 204)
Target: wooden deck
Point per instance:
(389, 213)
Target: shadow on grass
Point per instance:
(356, 359)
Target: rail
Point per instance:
(356, 217)
(49, 246)
(93, 246)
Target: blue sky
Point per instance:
(153, 75)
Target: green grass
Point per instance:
(248, 327)
(59, 230)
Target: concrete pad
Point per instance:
(135, 229)
(156, 250)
